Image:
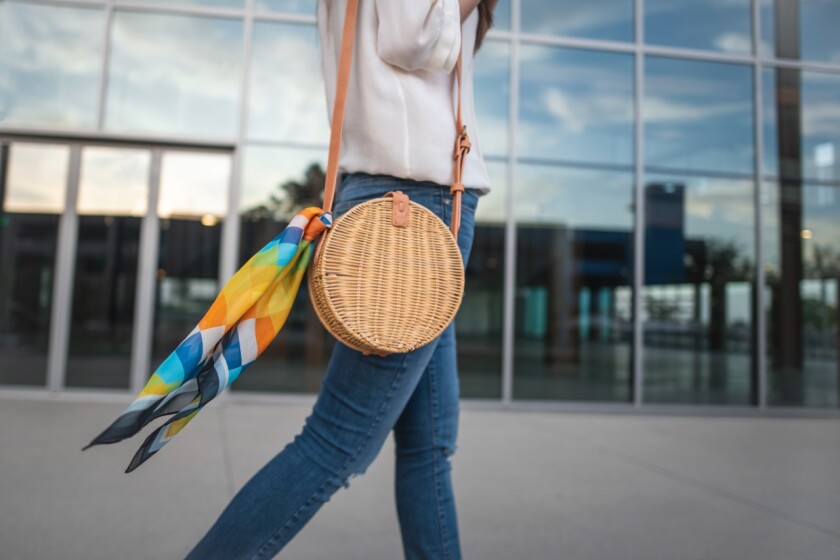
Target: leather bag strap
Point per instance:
(462, 142)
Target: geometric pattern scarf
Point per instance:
(242, 321)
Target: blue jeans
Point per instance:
(362, 398)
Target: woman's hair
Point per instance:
(485, 20)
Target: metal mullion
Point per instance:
(230, 227)
(286, 144)
(101, 137)
(141, 344)
(758, 124)
(66, 3)
(509, 294)
(638, 372)
(801, 65)
(285, 18)
(103, 68)
(62, 289)
(180, 10)
(575, 43)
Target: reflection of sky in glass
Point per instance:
(491, 207)
(292, 6)
(193, 184)
(114, 182)
(200, 3)
(490, 87)
(819, 21)
(820, 114)
(820, 211)
(604, 19)
(721, 25)
(174, 74)
(501, 16)
(698, 115)
(575, 198)
(265, 169)
(49, 65)
(576, 105)
(287, 100)
(37, 178)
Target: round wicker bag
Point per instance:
(380, 288)
(387, 276)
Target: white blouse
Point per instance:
(400, 113)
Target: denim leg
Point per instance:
(360, 400)
(425, 437)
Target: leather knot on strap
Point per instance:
(456, 187)
(462, 144)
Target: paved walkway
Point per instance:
(529, 486)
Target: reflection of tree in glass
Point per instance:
(291, 196)
(823, 265)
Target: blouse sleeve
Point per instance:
(419, 34)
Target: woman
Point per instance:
(398, 134)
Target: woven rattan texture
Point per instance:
(382, 289)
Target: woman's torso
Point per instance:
(400, 113)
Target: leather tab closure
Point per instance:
(399, 216)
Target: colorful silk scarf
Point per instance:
(244, 318)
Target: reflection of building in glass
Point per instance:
(676, 247)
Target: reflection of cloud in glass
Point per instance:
(114, 181)
(37, 178)
(490, 83)
(820, 114)
(174, 74)
(194, 184)
(576, 105)
(698, 115)
(575, 198)
(49, 64)
(265, 169)
(723, 25)
(604, 19)
(287, 100)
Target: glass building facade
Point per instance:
(664, 225)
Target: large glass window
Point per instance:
(720, 25)
(287, 100)
(50, 59)
(491, 89)
(576, 106)
(113, 195)
(697, 301)
(698, 115)
(604, 19)
(172, 74)
(191, 205)
(573, 290)
(33, 187)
